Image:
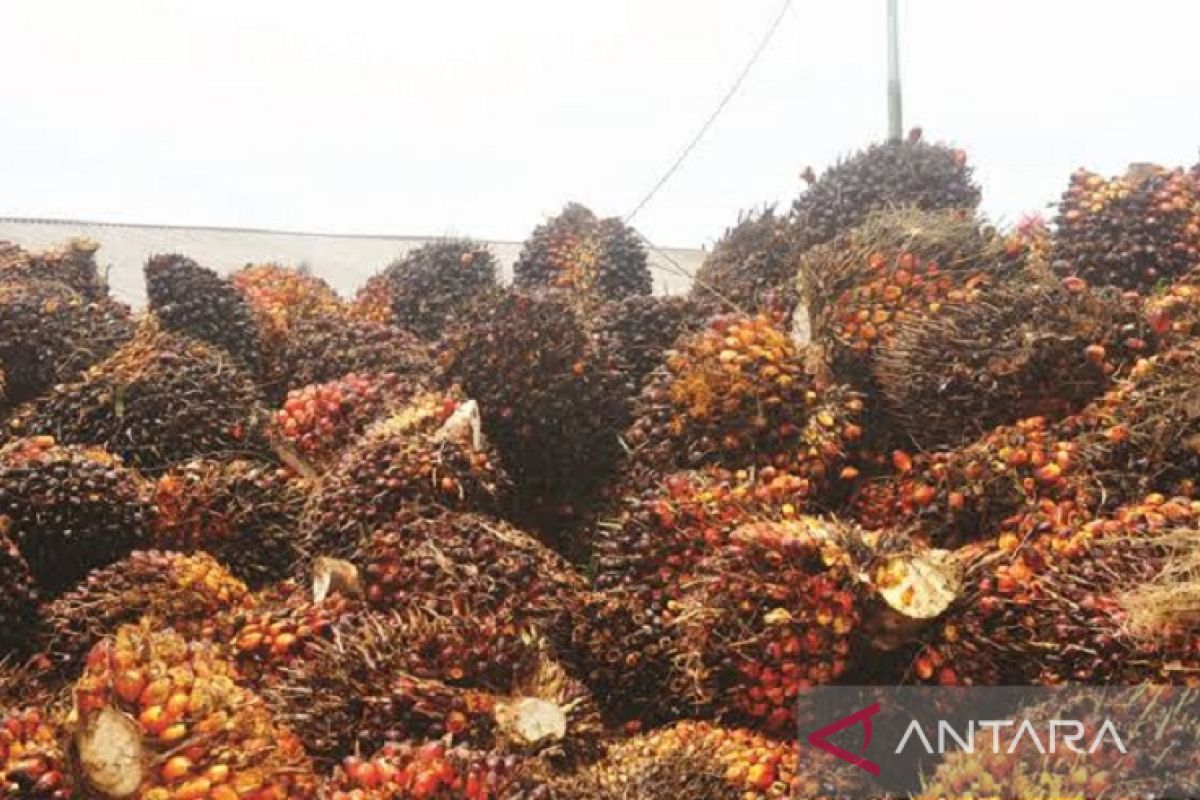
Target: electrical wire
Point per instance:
(729, 95)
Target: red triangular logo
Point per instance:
(819, 738)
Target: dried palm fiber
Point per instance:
(739, 394)
(33, 764)
(751, 269)
(1131, 231)
(701, 761)
(157, 716)
(172, 590)
(160, 399)
(50, 334)
(772, 612)
(195, 301)
(897, 266)
(69, 509)
(429, 455)
(1162, 720)
(326, 348)
(1022, 349)
(424, 290)
(73, 264)
(245, 513)
(321, 419)
(555, 401)
(283, 296)
(643, 553)
(19, 600)
(593, 259)
(1106, 600)
(454, 562)
(892, 174)
(641, 329)
(954, 496)
(433, 771)
(353, 693)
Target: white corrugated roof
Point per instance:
(345, 261)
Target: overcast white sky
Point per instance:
(481, 117)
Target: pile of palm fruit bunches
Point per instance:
(568, 539)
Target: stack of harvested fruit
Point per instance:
(572, 541)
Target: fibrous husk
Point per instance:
(893, 174)
(419, 457)
(552, 398)
(50, 334)
(423, 291)
(739, 394)
(434, 771)
(354, 692)
(701, 761)
(594, 259)
(751, 270)
(326, 348)
(1020, 350)
(898, 266)
(156, 715)
(69, 509)
(159, 400)
(320, 420)
(642, 329)
(246, 513)
(454, 562)
(72, 264)
(1065, 600)
(195, 301)
(172, 590)
(1131, 231)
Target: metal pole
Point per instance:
(895, 115)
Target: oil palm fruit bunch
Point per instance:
(454, 562)
(644, 553)
(594, 259)
(751, 270)
(282, 296)
(69, 509)
(425, 289)
(159, 400)
(326, 348)
(1173, 314)
(33, 763)
(894, 174)
(50, 334)
(195, 301)
(1117, 592)
(157, 716)
(1132, 231)
(1161, 720)
(19, 603)
(72, 264)
(1021, 350)
(433, 771)
(739, 394)
(373, 301)
(553, 400)
(767, 615)
(354, 694)
(642, 328)
(321, 419)
(182, 592)
(861, 288)
(429, 454)
(951, 497)
(701, 760)
(246, 513)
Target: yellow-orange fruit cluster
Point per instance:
(33, 765)
(430, 771)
